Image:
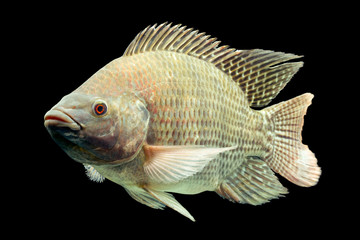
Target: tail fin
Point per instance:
(290, 158)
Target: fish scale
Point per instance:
(222, 118)
(174, 114)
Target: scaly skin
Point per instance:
(190, 103)
(174, 115)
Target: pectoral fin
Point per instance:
(93, 174)
(169, 164)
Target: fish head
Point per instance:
(98, 130)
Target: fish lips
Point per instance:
(57, 119)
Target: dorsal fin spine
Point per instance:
(159, 33)
(261, 74)
(206, 46)
(170, 38)
(222, 56)
(210, 50)
(200, 38)
(146, 46)
(140, 43)
(187, 39)
(164, 37)
(177, 34)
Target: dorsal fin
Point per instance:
(261, 74)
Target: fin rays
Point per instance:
(292, 159)
(169, 164)
(92, 174)
(261, 74)
(254, 183)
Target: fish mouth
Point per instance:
(59, 118)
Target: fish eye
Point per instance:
(99, 108)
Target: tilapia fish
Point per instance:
(175, 114)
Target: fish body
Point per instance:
(174, 114)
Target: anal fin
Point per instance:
(253, 183)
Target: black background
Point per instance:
(61, 46)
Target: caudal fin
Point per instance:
(292, 159)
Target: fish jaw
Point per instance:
(65, 131)
(56, 118)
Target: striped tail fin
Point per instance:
(292, 159)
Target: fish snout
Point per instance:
(57, 118)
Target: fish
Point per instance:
(181, 113)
